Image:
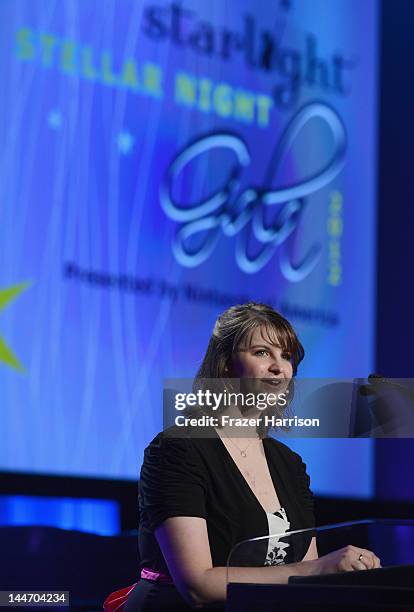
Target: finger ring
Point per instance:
(360, 557)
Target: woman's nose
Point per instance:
(276, 366)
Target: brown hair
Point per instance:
(235, 325)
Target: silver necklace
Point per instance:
(242, 451)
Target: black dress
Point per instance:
(198, 477)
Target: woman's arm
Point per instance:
(186, 549)
(185, 546)
(312, 551)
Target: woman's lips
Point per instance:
(274, 382)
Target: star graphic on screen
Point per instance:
(125, 142)
(7, 296)
(54, 119)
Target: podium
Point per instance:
(385, 589)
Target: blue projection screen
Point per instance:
(159, 163)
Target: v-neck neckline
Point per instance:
(240, 473)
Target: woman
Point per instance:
(199, 496)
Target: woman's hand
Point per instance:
(349, 558)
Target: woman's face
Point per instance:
(261, 356)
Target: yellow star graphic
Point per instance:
(6, 297)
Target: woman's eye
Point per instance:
(287, 356)
(261, 352)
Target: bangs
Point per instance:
(274, 331)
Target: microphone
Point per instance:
(392, 406)
(377, 380)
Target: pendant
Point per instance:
(243, 453)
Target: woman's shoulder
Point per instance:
(171, 438)
(194, 438)
(174, 435)
(181, 443)
(171, 454)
